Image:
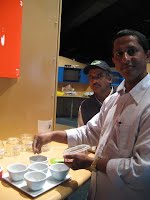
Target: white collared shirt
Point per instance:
(122, 133)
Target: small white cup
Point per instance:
(38, 158)
(38, 166)
(35, 180)
(16, 171)
(59, 171)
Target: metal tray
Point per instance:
(49, 184)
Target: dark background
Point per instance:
(87, 26)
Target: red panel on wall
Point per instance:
(10, 37)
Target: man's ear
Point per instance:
(148, 56)
(110, 78)
(113, 60)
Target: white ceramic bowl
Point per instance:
(38, 166)
(35, 180)
(16, 171)
(59, 171)
(38, 158)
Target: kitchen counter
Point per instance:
(68, 106)
(74, 94)
(60, 192)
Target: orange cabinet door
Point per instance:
(10, 37)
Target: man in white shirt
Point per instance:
(121, 131)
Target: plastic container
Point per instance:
(77, 149)
(13, 146)
(26, 142)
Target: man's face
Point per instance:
(99, 80)
(129, 58)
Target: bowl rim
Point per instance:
(52, 165)
(42, 156)
(36, 163)
(8, 166)
(33, 172)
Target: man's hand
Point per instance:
(39, 140)
(44, 138)
(78, 161)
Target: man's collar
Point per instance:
(137, 91)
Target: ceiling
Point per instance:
(87, 26)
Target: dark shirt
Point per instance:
(89, 108)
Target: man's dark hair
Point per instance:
(142, 40)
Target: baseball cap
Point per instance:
(97, 64)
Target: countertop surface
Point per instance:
(60, 192)
(74, 94)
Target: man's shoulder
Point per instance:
(90, 103)
(91, 99)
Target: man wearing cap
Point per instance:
(100, 80)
